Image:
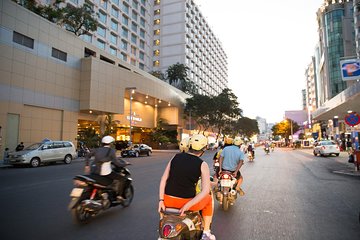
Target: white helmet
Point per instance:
(184, 144)
(107, 139)
(198, 142)
(238, 141)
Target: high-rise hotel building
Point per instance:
(155, 34)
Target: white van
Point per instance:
(44, 152)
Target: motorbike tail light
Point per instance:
(166, 230)
(226, 176)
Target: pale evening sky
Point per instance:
(269, 44)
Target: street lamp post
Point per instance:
(132, 90)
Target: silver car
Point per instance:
(44, 152)
(326, 148)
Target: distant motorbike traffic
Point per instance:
(93, 194)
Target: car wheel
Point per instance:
(315, 154)
(35, 162)
(67, 159)
(337, 154)
(149, 153)
(136, 154)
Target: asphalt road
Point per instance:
(289, 195)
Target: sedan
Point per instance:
(326, 148)
(137, 150)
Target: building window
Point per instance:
(102, 17)
(134, 16)
(135, 4)
(142, 11)
(143, 2)
(115, 12)
(133, 38)
(156, 63)
(56, 53)
(125, 32)
(100, 44)
(124, 57)
(101, 31)
(142, 44)
(114, 25)
(103, 4)
(141, 55)
(87, 38)
(156, 52)
(125, 20)
(134, 26)
(113, 38)
(157, 22)
(113, 51)
(141, 66)
(116, 2)
(142, 22)
(133, 50)
(157, 32)
(142, 33)
(125, 8)
(124, 45)
(23, 40)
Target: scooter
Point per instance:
(174, 226)
(250, 156)
(267, 151)
(226, 194)
(93, 194)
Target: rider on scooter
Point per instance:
(101, 164)
(231, 159)
(178, 184)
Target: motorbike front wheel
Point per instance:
(225, 203)
(80, 215)
(128, 195)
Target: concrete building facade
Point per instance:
(52, 83)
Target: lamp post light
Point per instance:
(132, 91)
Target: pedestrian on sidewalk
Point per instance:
(19, 147)
(6, 156)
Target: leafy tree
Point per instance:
(51, 12)
(283, 128)
(90, 138)
(158, 74)
(247, 127)
(79, 20)
(162, 133)
(225, 111)
(200, 108)
(177, 75)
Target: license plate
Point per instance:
(76, 192)
(225, 183)
(217, 164)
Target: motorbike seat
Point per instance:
(94, 178)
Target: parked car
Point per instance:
(44, 152)
(120, 145)
(326, 148)
(137, 150)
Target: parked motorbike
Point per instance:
(226, 194)
(93, 194)
(174, 226)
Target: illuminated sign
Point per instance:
(352, 119)
(350, 69)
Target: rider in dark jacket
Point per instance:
(101, 165)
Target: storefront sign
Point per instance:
(138, 119)
(352, 119)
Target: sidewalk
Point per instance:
(345, 168)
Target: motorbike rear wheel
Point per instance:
(128, 196)
(80, 215)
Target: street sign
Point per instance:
(350, 69)
(352, 119)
